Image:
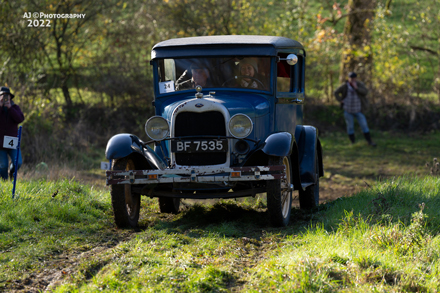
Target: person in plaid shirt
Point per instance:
(353, 97)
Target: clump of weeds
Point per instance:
(434, 169)
(401, 239)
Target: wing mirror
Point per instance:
(291, 59)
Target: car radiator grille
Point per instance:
(205, 123)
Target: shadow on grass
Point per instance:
(228, 219)
(388, 203)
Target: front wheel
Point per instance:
(279, 194)
(126, 204)
(309, 198)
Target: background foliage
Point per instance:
(100, 63)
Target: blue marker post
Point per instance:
(16, 160)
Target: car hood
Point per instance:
(249, 104)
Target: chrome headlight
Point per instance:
(157, 128)
(240, 126)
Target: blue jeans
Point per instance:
(4, 153)
(349, 119)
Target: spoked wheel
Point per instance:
(126, 204)
(309, 198)
(169, 205)
(279, 194)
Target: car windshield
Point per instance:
(223, 72)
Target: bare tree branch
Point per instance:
(334, 21)
(388, 4)
(417, 48)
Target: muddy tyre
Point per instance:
(126, 204)
(169, 205)
(279, 194)
(309, 198)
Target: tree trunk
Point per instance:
(437, 80)
(357, 54)
(66, 94)
(331, 86)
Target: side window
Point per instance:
(298, 83)
(170, 69)
(284, 72)
(290, 78)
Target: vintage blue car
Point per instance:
(228, 124)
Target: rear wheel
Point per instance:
(279, 194)
(126, 204)
(169, 205)
(309, 198)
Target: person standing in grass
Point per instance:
(353, 97)
(10, 117)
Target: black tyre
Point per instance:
(279, 194)
(126, 204)
(309, 198)
(169, 205)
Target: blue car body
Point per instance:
(177, 167)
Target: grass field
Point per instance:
(59, 234)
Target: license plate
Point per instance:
(199, 146)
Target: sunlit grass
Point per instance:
(47, 219)
(385, 237)
(395, 155)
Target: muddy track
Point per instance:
(62, 267)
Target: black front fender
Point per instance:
(278, 144)
(125, 144)
(309, 150)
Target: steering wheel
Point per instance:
(182, 84)
(236, 77)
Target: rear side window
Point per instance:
(290, 78)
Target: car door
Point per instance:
(289, 93)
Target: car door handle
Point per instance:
(296, 101)
(289, 101)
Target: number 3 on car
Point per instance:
(228, 123)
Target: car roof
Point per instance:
(250, 45)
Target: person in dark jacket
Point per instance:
(10, 117)
(353, 97)
(200, 76)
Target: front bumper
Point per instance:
(196, 175)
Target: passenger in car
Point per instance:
(249, 67)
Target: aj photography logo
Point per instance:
(41, 19)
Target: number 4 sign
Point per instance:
(10, 142)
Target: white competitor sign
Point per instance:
(10, 142)
(166, 87)
(105, 165)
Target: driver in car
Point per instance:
(200, 76)
(249, 67)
